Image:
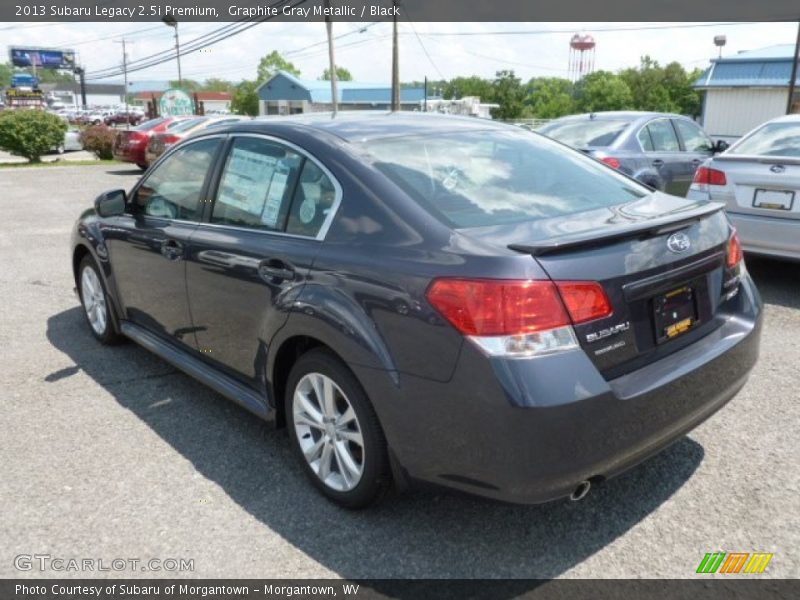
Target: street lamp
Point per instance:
(171, 22)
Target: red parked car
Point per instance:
(131, 144)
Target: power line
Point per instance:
(593, 29)
(425, 50)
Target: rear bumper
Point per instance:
(530, 430)
(132, 155)
(769, 236)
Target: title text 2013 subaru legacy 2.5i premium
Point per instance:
(427, 298)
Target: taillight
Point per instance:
(735, 253)
(513, 317)
(611, 161)
(585, 300)
(170, 139)
(709, 176)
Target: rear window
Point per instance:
(774, 139)
(148, 125)
(481, 178)
(585, 133)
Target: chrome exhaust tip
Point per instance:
(580, 491)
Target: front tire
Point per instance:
(335, 431)
(96, 305)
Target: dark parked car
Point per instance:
(428, 298)
(659, 149)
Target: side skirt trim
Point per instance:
(194, 367)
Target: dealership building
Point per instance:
(746, 89)
(285, 94)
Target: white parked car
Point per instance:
(758, 178)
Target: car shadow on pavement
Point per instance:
(420, 534)
(777, 280)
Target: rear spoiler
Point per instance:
(657, 226)
(759, 158)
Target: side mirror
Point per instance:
(720, 146)
(111, 204)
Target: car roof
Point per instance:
(786, 119)
(618, 114)
(365, 125)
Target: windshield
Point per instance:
(582, 133)
(773, 139)
(480, 178)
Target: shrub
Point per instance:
(100, 140)
(30, 133)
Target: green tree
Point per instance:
(468, 86)
(215, 84)
(5, 74)
(187, 85)
(603, 90)
(342, 74)
(647, 87)
(245, 99)
(509, 94)
(31, 133)
(272, 63)
(550, 97)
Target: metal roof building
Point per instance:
(746, 89)
(284, 94)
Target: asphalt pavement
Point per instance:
(109, 453)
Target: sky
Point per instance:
(426, 49)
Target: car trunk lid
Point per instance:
(661, 261)
(759, 185)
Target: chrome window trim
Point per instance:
(337, 200)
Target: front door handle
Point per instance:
(272, 270)
(696, 162)
(658, 163)
(171, 250)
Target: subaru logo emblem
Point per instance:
(777, 168)
(679, 242)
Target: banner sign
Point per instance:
(42, 58)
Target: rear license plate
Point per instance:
(773, 199)
(674, 313)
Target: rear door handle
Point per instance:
(171, 249)
(271, 270)
(658, 163)
(696, 162)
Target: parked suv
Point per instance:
(661, 150)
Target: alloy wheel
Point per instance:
(94, 300)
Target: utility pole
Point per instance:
(81, 72)
(332, 62)
(395, 62)
(794, 72)
(125, 75)
(425, 101)
(171, 22)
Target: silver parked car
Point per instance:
(758, 178)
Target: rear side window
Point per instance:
(480, 178)
(773, 139)
(148, 125)
(313, 201)
(172, 190)
(645, 140)
(694, 138)
(256, 185)
(663, 135)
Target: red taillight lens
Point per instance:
(611, 161)
(735, 253)
(585, 300)
(170, 139)
(485, 307)
(710, 176)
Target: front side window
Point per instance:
(173, 189)
(773, 139)
(256, 185)
(694, 138)
(493, 177)
(663, 135)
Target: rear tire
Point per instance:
(142, 166)
(96, 305)
(335, 431)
